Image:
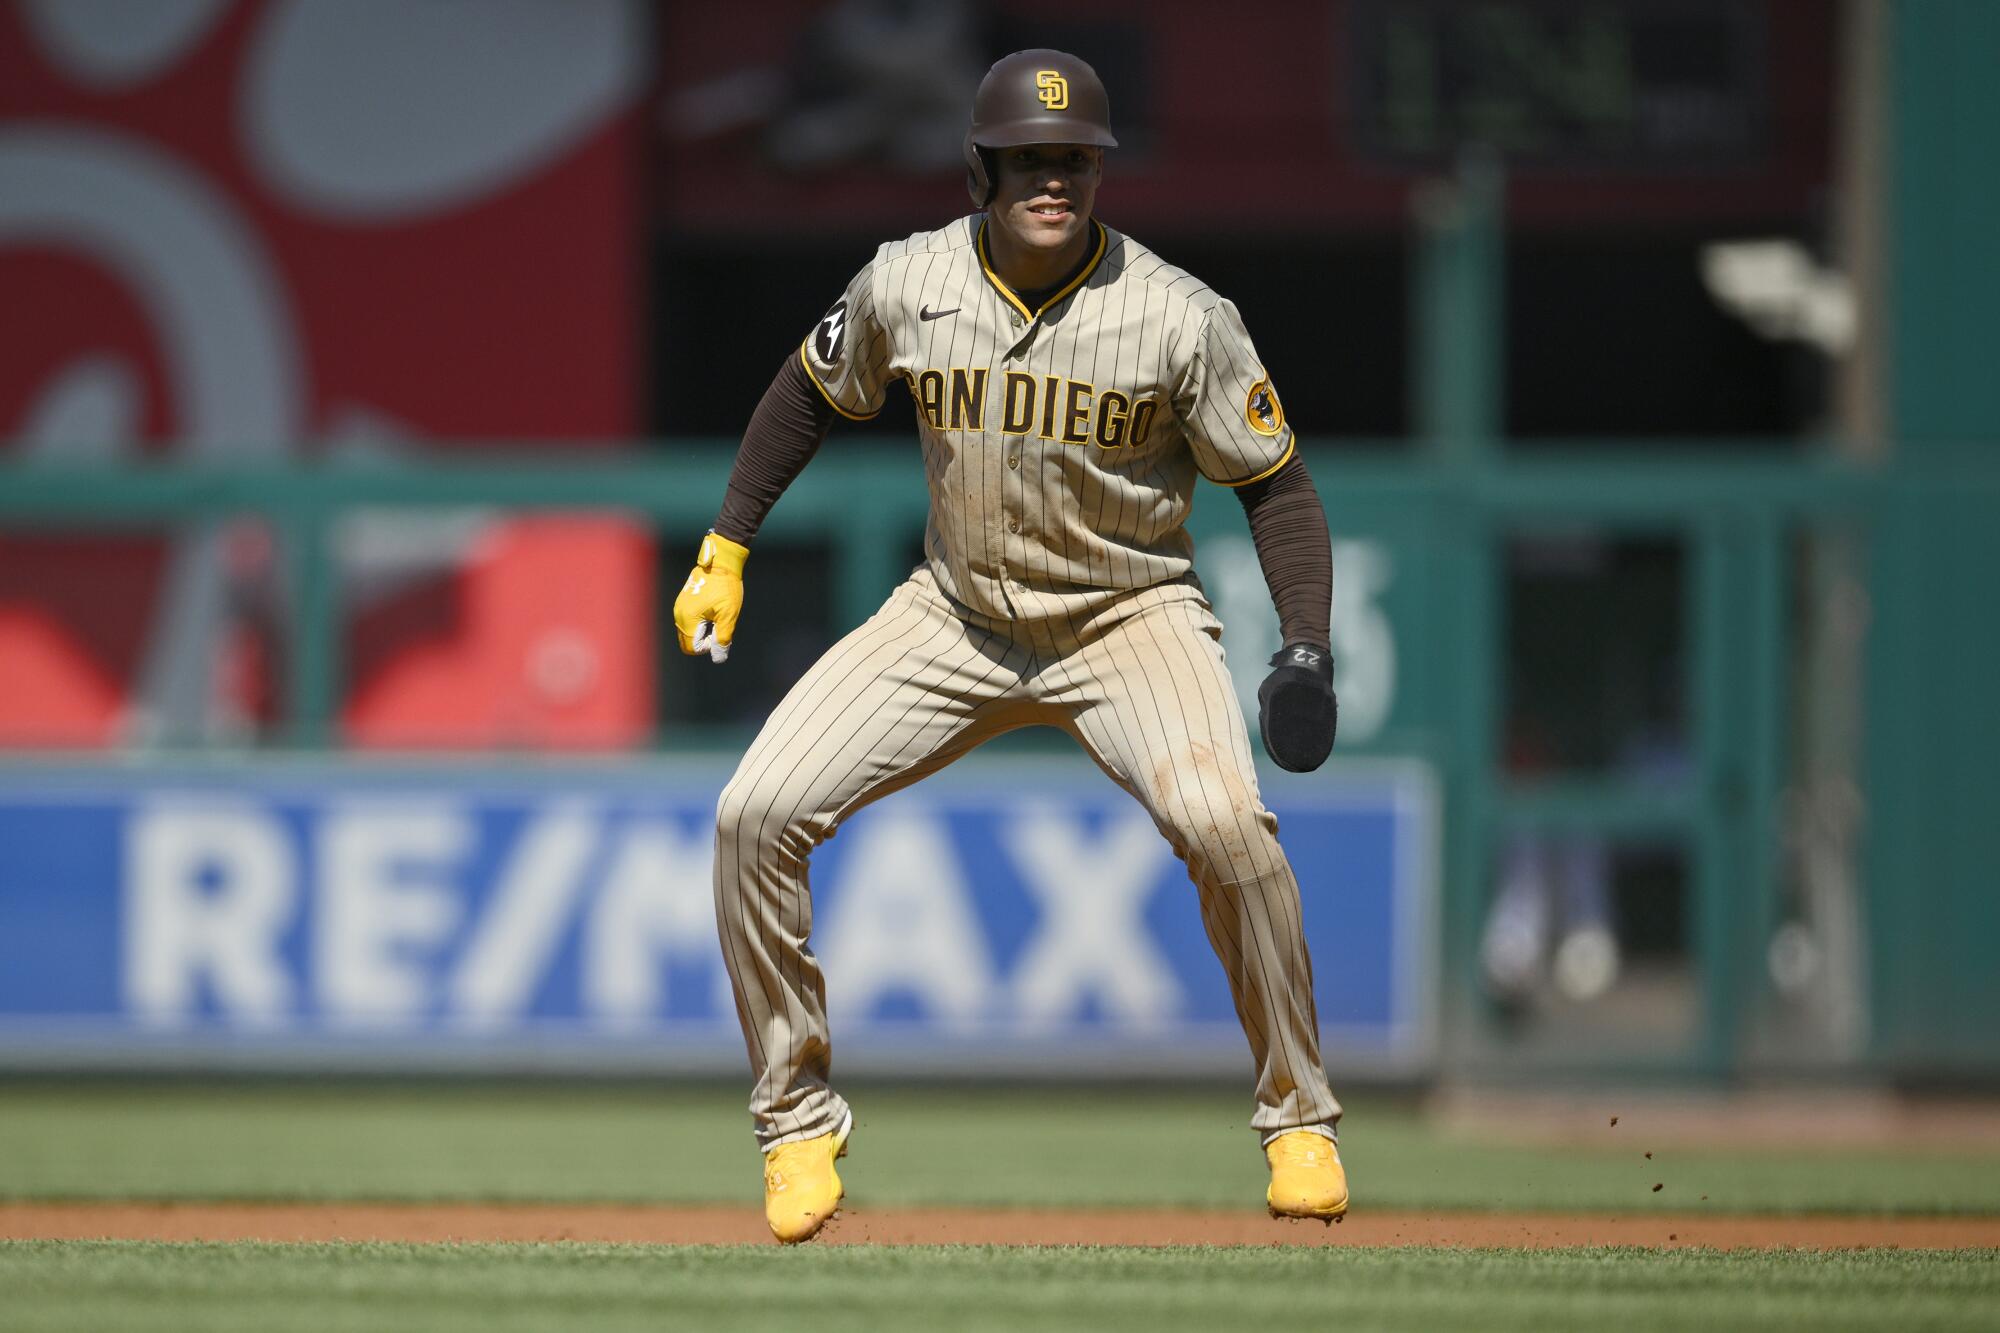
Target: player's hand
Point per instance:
(705, 613)
(1296, 710)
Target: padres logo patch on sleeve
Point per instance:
(830, 334)
(1262, 409)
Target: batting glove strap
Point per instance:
(1296, 710)
(718, 552)
(710, 601)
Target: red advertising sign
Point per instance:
(236, 230)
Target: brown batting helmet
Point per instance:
(1038, 96)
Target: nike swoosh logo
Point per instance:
(927, 313)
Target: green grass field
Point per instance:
(1099, 1146)
(101, 1286)
(1102, 1146)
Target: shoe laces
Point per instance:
(1304, 1150)
(792, 1157)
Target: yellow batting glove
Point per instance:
(705, 613)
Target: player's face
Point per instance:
(1046, 192)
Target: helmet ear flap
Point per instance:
(979, 173)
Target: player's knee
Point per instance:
(755, 819)
(743, 807)
(1213, 818)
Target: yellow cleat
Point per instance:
(1307, 1179)
(802, 1191)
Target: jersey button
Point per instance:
(1014, 461)
(1013, 525)
(1015, 320)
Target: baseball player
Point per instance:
(1069, 387)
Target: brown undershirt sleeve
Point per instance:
(784, 433)
(1288, 526)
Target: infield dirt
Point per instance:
(731, 1225)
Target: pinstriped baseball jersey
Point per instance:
(1061, 444)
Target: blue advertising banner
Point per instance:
(1004, 916)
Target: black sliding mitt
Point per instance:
(1296, 710)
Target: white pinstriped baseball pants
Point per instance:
(1140, 684)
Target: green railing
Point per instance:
(303, 503)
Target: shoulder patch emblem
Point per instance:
(830, 334)
(1262, 409)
